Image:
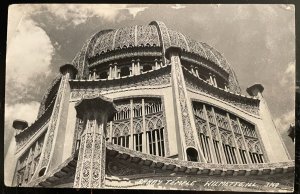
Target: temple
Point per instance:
(148, 107)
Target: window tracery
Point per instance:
(146, 119)
(238, 138)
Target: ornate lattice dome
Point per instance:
(154, 37)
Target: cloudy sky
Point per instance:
(257, 40)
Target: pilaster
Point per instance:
(184, 111)
(271, 138)
(57, 123)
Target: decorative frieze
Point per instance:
(151, 78)
(121, 54)
(247, 104)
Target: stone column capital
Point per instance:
(255, 89)
(95, 104)
(20, 124)
(68, 68)
(172, 50)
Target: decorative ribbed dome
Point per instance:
(156, 34)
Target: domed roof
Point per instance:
(156, 34)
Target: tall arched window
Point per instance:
(255, 153)
(138, 140)
(242, 150)
(146, 119)
(138, 136)
(203, 138)
(229, 150)
(121, 139)
(156, 142)
(239, 138)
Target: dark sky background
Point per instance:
(257, 40)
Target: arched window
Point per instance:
(124, 71)
(203, 138)
(103, 75)
(156, 142)
(255, 153)
(192, 154)
(229, 150)
(242, 150)
(138, 141)
(217, 150)
(147, 68)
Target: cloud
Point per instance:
(80, 13)
(135, 10)
(178, 6)
(24, 111)
(283, 122)
(29, 52)
(288, 77)
(76, 13)
(29, 55)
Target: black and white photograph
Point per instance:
(150, 97)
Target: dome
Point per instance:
(155, 37)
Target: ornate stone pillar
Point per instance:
(115, 71)
(110, 76)
(271, 138)
(57, 124)
(11, 161)
(94, 74)
(138, 68)
(215, 81)
(132, 67)
(156, 64)
(197, 72)
(183, 108)
(95, 112)
(211, 79)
